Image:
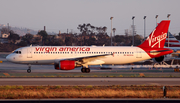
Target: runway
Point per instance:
(17, 70)
(90, 81)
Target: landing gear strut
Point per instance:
(85, 70)
(29, 69)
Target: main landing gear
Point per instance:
(29, 68)
(85, 70)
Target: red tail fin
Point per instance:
(158, 37)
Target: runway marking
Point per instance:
(6, 74)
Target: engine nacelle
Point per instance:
(158, 59)
(65, 65)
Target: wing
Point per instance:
(86, 60)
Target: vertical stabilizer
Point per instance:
(158, 37)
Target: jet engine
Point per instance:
(158, 59)
(65, 65)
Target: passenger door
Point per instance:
(29, 52)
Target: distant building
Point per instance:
(129, 32)
(37, 38)
(4, 37)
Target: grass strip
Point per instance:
(115, 91)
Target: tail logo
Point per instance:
(153, 41)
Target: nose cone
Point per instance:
(9, 58)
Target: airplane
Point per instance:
(173, 42)
(70, 57)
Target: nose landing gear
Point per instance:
(29, 69)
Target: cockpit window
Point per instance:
(17, 52)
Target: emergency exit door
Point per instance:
(138, 53)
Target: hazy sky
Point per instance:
(68, 14)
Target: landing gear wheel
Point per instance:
(83, 70)
(29, 70)
(87, 70)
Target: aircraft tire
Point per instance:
(83, 70)
(87, 70)
(29, 70)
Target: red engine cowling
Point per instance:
(65, 65)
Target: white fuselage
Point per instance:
(54, 54)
